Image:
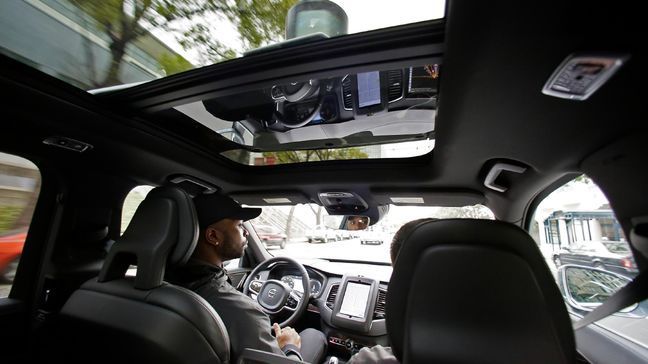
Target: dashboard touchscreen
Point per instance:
(368, 89)
(355, 300)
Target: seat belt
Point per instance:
(633, 292)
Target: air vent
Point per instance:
(379, 311)
(347, 93)
(330, 300)
(395, 85)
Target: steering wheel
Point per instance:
(295, 92)
(299, 123)
(275, 296)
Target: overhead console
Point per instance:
(342, 202)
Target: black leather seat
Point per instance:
(475, 291)
(119, 319)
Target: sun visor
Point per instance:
(427, 197)
(270, 198)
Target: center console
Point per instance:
(350, 314)
(354, 304)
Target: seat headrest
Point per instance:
(164, 230)
(467, 291)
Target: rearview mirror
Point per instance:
(586, 288)
(346, 222)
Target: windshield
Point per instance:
(306, 235)
(97, 44)
(618, 247)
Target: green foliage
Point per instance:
(298, 156)
(260, 21)
(120, 19)
(583, 178)
(174, 63)
(195, 23)
(8, 215)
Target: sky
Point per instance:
(363, 15)
(573, 196)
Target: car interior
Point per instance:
(497, 104)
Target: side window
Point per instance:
(575, 225)
(131, 202)
(20, 183)
(587, 250)
(231, 264)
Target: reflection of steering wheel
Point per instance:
(299, 123)
(275, 296)
(295, 92)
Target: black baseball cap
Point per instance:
(214, 207)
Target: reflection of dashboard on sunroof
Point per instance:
(331, 100)
(373, 107)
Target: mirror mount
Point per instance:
(342, 203)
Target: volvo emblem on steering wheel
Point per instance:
(272, 292)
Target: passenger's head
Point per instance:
(221, 226)
(402, 234)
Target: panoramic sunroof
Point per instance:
(373, 114)
(97, 44)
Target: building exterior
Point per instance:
(60, 39)
(567, 227)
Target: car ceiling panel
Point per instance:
(498, 57)
(491, 107)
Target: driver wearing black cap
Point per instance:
(223, 237)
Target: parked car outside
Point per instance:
(322, 234)
(344, 234)
(372, 238)
(271, 236)
(614, 256)
(11, 246)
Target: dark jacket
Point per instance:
(247, 325)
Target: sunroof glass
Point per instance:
(97, 44)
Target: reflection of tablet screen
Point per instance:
(355, 299)
(368, 89)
